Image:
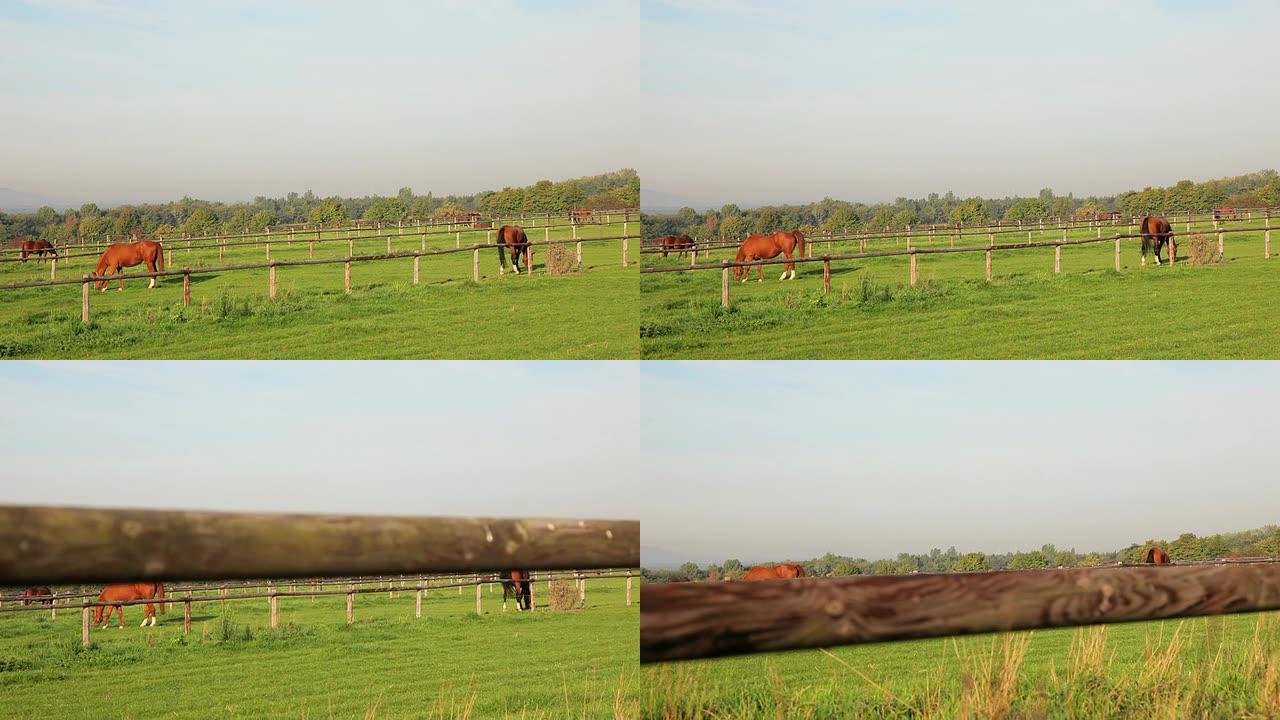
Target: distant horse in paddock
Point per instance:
(119, 256)
(37, 247)
(512, 236)
(765, 247)
(1156, 556)
(517, 583)
(117, 592)
(771, 572)
(31, 594)
(676, 244)
(1155, 231)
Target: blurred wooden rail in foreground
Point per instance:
(47, 545)
(681, 621)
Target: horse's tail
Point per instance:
(1146, 237)
(159, 257)
(502, 248)
(164, 607)
(799, 243)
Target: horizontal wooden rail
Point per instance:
(681, 621)
(45, 545)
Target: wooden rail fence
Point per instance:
(288, 231)
(682, 621)
(86, 281)
(913, 253)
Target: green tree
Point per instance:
(329, 212)
(971, 562)
(263, 219)
(843, 220)
(201, 222)
(386, 210)
(969, 212)
(1026, 209)
(690, 570)
(1033, 559)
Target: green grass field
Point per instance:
(592, 314)
(1222, 667)
(1089, 310)
(448, 664)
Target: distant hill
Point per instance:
(17, 201)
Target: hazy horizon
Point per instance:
(153, 101)
(870, 102)
(774, 460)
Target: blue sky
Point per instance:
(765, 461)
(109, 99)
(538, 439)
(750, 101)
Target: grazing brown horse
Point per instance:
(36, 592)
(1156, 556)
(770, 572)
(512, 236)
(37, 247)
(517, 583)
(119, 256)
(675, 243)
(765, 247)
(128, 591)
(1155, 231)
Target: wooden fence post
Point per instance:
(53, 269)
(475, 263)
(186, 286)
(628, 590)
(275, 610)
(457, 240)
(1117, 253)
(388, 244)
(223, 593)
(724, 284)
(478, 596)
(826, 273)
(624, 250)
(1057, 259)
(990, 244)
(1266, 242)
(268, 247)
(416, 258)
(417, 604)
(186, 614)
(346, 276)
(915, 275)
(579, 254)
(84, 299)
(582, 591)
(84, 624)
(351, 604)
(271, 280)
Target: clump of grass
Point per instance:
(561, 260)
(564, 595)
(1202, 250)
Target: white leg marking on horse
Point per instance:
(153, 284)
(1157, 259)
(793, 274)
(783, 276)
(502, 269)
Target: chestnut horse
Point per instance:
(128, 591)
(770, 572)
(675, 243)
(1156, 556)
(122, 255)
(513, 236)
(765, 247)
(36, 592)
(1155, 231)
(37, 247)
(517, 583)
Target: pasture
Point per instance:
(591, 313)
(1088, 310)
(450, 663)
(1211, 667)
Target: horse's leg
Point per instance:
(151, 263)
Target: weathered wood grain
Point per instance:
(698, 620)
(40, 545)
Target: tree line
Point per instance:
(607, 191)
(1259, 542)
(1260, 189)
